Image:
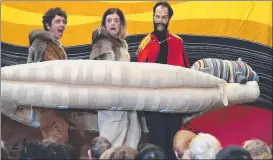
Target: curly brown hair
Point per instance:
(50, 14)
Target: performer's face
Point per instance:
(161, 18)
(57, 26)
(112, 24)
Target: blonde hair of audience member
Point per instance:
(181, 142)
(258, 149)
(107, 154)
(123, 152)
(204, 146)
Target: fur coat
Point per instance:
(44, 47)
(106, 47)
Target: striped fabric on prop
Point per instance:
(230, 71)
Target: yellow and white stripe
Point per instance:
(248, 20)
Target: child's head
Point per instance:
(97, 146)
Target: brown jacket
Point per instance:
(54, 52)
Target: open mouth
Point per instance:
(113, 29)
(160, 25)
(60, 31)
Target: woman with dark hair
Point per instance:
(119, 127)
(108, 39)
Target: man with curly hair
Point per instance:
(45, 46)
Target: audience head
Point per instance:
(4, 152)
(204, 146)
(34, 150)
(123, 152)
(258, 149)
(182, 141)
(233, 152)
(59, 151)
(97, 146)
(150, 151)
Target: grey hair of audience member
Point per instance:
(204, 146)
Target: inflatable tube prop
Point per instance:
(111, 85)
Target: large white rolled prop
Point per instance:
(111, 85)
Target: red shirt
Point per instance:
(149, 48)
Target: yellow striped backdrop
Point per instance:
(248, 20)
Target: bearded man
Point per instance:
(163, 47)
